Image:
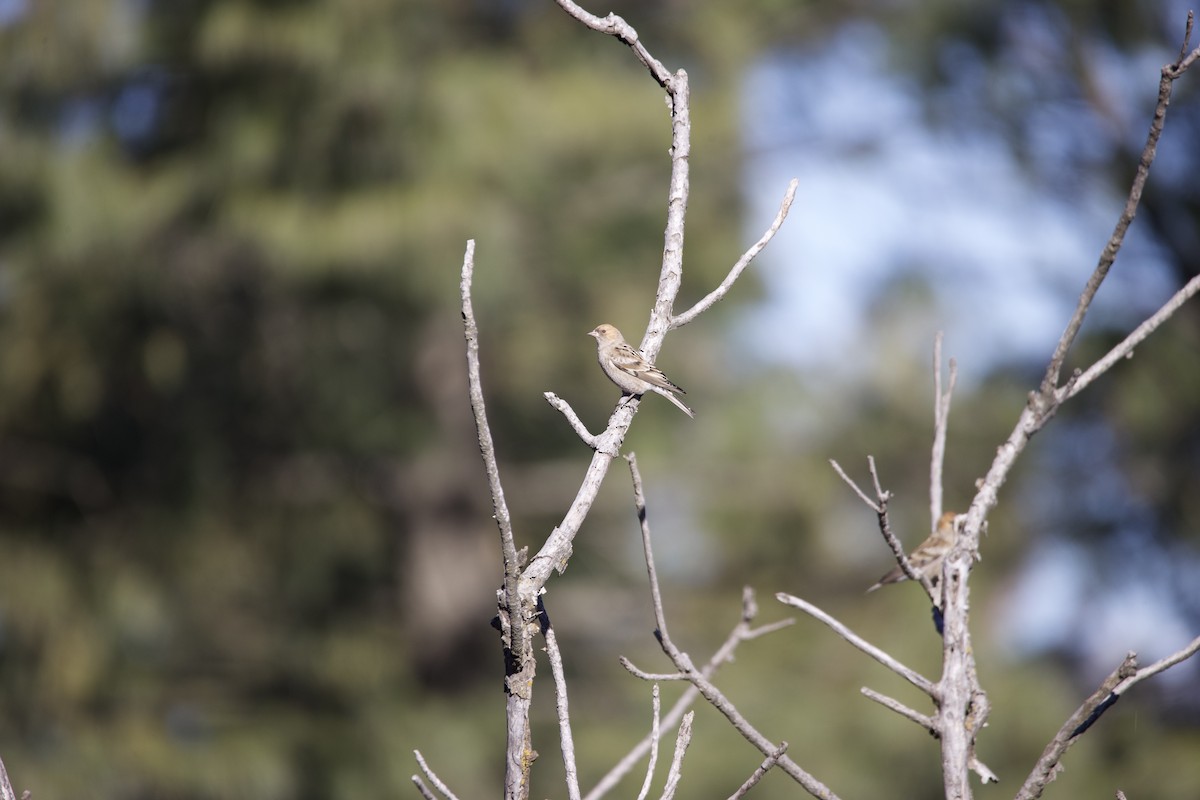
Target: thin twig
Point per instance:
(880, 506)
(416, 779)
(433, 778)
(683, 662)
(682, 740)
(741, 632)
(941, 422)
(591, 440)
(910, 675)
(1170, 73)
(923, 720)
(653, 677)
(758, 773)
(654, 734)
(1157, 667)
(560, 693)
(877, 508)
(1125, 348)
(639, 500)
(716, 295)
(622, 30)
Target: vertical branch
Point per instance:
(941, 422)
(519, 664)
(566, 740)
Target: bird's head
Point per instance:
(605, 333)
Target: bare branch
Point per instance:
(762, 770)
(1157, 667)
(876, 507)
(654, 734)
(6, 790)
(880, 506)
(590, 439)
(623, 31)
(560, 693)
(683, 662)
(1048, 765)
(1125, 348)
(740, 633)
(910, 675)
(516, 606)
(486, 447)
(718, 294)
(682, 740)
(980, 769)
(923, 720)
(941, 422)
(433, 778)
(639, 500)
(654, 677)
(1170, 73)
(416, 779)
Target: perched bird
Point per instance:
(629, 369)
(927, 558)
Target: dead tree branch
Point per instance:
(1124, 677)
(880, 506)
(433, 778)
(741, 632)
(912, 676)
(566, 740)
(718, 294)
(654, 734)
(941, 423)
(683, 662)
(758, 773)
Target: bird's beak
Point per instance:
(593, 334)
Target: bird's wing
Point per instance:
(629, 360)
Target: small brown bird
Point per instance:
(629, 368)
(927, 558)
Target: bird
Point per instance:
(629, 368)
(927, 558)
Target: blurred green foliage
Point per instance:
(245, 543)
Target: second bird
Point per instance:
(927, 558)
(629, 369)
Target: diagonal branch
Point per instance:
(1125, 349)
(1170, 73)
(880, 506)
(433, 778)
(683, 662)
(1047, 766)
(614, 26)
(741, 632)
(758, 773)
(6, 790)
(912, 676)
(718, 294)
(682, 740)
